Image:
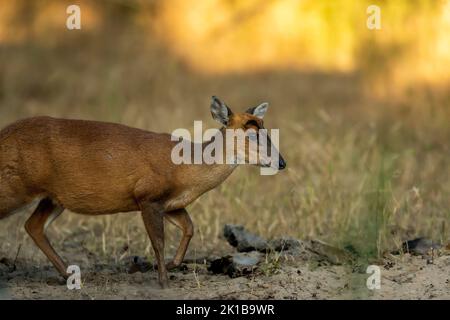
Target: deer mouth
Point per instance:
(268, 164)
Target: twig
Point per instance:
(17, 255)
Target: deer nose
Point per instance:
(281, 164)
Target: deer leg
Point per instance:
(181, 219)
(153, 217)
(44, 214)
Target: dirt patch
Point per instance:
(286, 275)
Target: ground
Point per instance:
(285, 276)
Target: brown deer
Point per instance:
(98, 168)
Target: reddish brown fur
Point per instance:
(97, 168)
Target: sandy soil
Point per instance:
(294, 276)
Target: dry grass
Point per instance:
(363, 173)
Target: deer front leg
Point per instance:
(153, 217)
(181, 219)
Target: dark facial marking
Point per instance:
(252, 123)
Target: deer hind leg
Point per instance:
(44, 214)
(181, 219)
(153, 217)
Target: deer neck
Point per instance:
(208, 176)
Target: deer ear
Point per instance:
(259, 111)
(220, 112)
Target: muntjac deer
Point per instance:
(98, 168)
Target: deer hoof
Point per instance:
(164, 284)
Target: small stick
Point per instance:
(17, 255)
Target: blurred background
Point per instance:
(363, 114)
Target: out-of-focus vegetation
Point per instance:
(412, 46)
(363, 115)
(222, 36)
